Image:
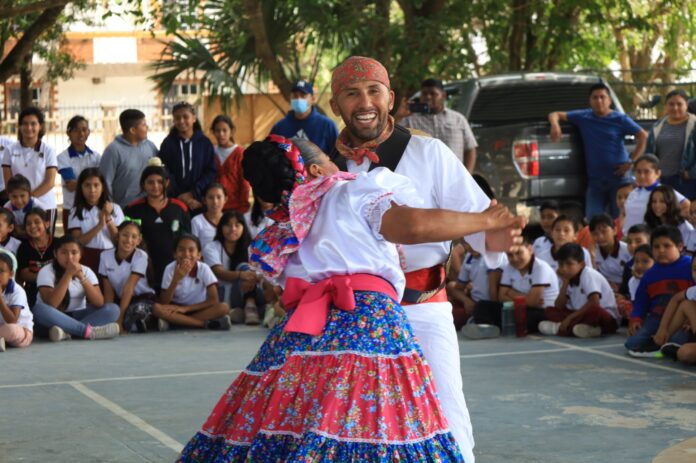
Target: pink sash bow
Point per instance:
(313, 300)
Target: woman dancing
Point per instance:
(341, 378)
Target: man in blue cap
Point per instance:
(305, 121)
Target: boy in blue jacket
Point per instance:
(670, 275)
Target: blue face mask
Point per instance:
(299, 105)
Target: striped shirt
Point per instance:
(448, 126)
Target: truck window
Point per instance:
(525, 102)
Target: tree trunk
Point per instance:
(516, 39)
(25, 81)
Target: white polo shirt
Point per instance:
(118, 272)
(591, 282)
(12, 244)
(193, 288)
(32, 164)
(78, 300)
(70, 164)
(542, 244)
(690, 241)
(633, 283)
(548, 257)
(691, 293)
(90, 218)
(540, 274)
(637, 204)
(203, 229)
(474, 270)
(611, 266)
(5, 143)
(685, 228)
(19, 214)
(16, 298)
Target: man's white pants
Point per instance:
(433, 325)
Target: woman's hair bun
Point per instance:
(268, 170)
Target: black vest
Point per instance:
(389, 152)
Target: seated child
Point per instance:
(647, 172)
(563, 231)
(70, 302)
(670, 274)
(611, 255)
(548, 212)
(16, 319)
(7, 225)
(189, 291)
(21, 201)
(663, 209)
(642, 262)
(35, 252)
(638, 235)
(205, 225)
(123, 271)
(528, 276)
(585, 306)
(621, 196)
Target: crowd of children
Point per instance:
(151, 238)
(634, 270)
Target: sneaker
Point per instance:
(670, 349)
(587, 331)
(648, 350)
(222, 323)
(251, 315)
(162, 325)
(108, 331)
(56, 334)
(476, 331)
(237, 315)
(268, 316)
(549, 328)
(2, 345)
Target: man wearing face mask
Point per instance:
(304, 121)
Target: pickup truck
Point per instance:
(508, 115)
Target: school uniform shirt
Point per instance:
(255, 229)
(475, 271)
(160, 230)
(588, 282)
(78, 300)
(633, 287)
(214, 253)
(11, 244)
(685, 228)
(541, 244)
(118, 272)
(637, 204)
(16, 298)
(19, 214)
(203, 229)
(539, 274)
(691, 294)
(193, 288)
(32, 162)
(70, 164)
(690, 241)
(5, 143)
(549, 256)
(90, 218)
(611, 265)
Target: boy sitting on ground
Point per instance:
(585, 306)
(611, 255)
(529, 277)
(670, 274)
(563, 231)
(642, 262)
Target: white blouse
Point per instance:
(345, 239)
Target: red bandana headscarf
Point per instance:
(358, 69)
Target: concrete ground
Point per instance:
(141, 397)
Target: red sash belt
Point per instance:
(425, 285)
(314, 299)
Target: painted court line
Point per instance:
(129, 417)
(617, 357)
(122, 378)
(519, 352)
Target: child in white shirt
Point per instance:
(16, 319)
(642, 262)
(611, 255)
(7, 224)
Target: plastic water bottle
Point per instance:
(507, 319)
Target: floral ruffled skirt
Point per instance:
(359, 392)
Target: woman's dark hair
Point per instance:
(80, 200)
(187, 236)
(188, 107)
(31, 111)
(672, 216)
(60, 271)
(43, 215)
(227, 120)
(155, 170)
(241, 248)
(267, 170)
(72, 123)
(677, 92)
(257, 212)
